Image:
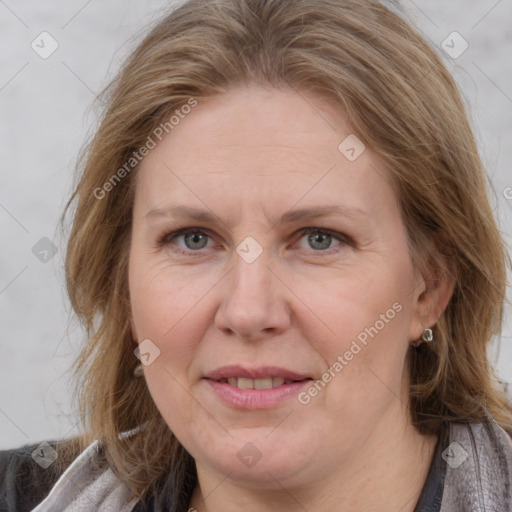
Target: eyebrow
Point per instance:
(200, 215)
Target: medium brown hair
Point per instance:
(401, 102)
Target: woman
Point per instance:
(288, 268)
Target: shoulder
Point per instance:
(53, 475)
(28, 473)
(479, 467)
(487, 441)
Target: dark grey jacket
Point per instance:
(471, 472)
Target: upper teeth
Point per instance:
(267, 383)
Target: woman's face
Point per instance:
(325, 317)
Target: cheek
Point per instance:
(168, 311)
(163, 299)
(354, 304)
(362, 337)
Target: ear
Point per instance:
(430, 298)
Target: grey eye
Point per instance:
(195, 240)
(320, 240)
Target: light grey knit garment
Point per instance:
(479, 469)
(478, 476)
(81, 489)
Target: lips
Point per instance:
(255, 388)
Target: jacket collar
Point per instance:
(82, 488)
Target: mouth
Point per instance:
(257, 388)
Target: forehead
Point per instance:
(259, 146)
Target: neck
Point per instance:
(387, 473)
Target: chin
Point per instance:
(261, 463)
(263, 475)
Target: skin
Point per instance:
(249, 156)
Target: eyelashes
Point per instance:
(319, 235)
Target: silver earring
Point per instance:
(427, 336)
(138, 371)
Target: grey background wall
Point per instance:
(46, 115)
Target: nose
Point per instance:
(253, 304)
